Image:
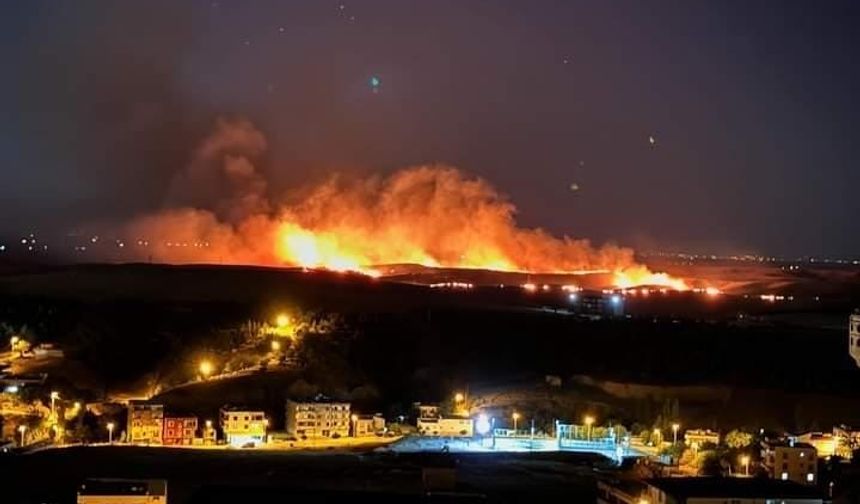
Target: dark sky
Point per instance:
(753, 107)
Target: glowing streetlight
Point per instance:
(354, 419)
(110, 426)
(482, 425)
(459, 397)
(205, 368)
(54, 396)
(13, 341)
(745, 461)
(515, 416)
(208, 424)
(22, 429)
(282, 321)
(589, 421)
(675, 427)
(658, 435)
(276, 346)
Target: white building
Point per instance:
(368, 425)
(113, 491)
(145, 422)
(790, 460)
(446, 427)
(696, 438)
(854, 337)
(243, 427)
(320, 418)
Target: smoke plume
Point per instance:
(220, 209)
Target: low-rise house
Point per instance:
(318, 418)
(368, 425)
(446, 427)
(696, 438)
(179, 430)
(788, 459)
(728, 490)
(243, 427)
(145, 422)
(113, 491)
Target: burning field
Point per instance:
(221, 210)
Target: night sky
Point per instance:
(752, 108)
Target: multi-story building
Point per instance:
(824, 442)
(696, 438)
(854, 337)
(145, 422)
(113, 491)
(243, 427)
(787, 459)
(368, 425)
(727, 490)
(179, 430)
(427, 410)
(318, 418)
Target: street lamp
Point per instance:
(515, 416)
(589, 421)
(13, 341)
(54, 396)
(658, 435)
(459, 397)
(22, 429)
(205, 368)
(110, 426)
(282, 320)
(354, 419)
(745, 461)
(276, 345)
(675, 428)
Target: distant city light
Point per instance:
(616, 299)
(573, 297)
(12, 389)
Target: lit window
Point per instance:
(784, 476)
(810, 477)
(802, 454)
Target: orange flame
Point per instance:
(429, 215)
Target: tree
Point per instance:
(738, 439)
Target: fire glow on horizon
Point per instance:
(434, 216)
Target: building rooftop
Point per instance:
(233, 408)
(786, 443)
(736, 488)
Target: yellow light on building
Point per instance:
(276, 346)
(282, 321)
(459, 397)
